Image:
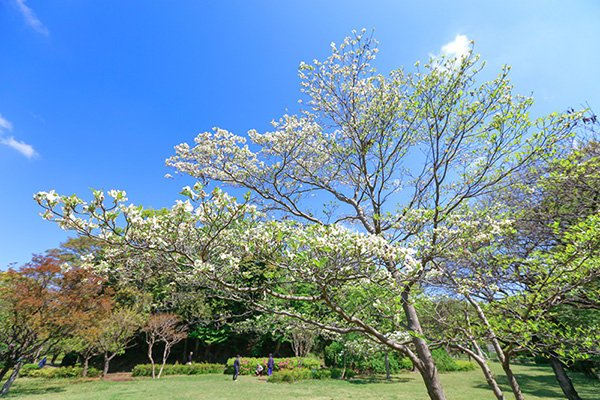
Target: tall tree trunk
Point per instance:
(427, 366)
(563, 379)
(344, 367)
(11, 379)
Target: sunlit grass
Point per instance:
(538, 383)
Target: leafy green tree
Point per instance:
(116, 332)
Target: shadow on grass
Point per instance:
(366, 379)
(545, 386)
(34, 390)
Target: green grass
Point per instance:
(537, 382)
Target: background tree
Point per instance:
(164, 328)
(116, 331)
(40, 305)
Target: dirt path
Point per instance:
(118, 377)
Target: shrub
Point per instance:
(322, 374)
(464, 365)
(179, 369)
(443, 361)
(248, 364)
(291, 375)
(62, 372)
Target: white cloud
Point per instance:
(30, 17)
(4, 124)
(458, 48)
(21, 147)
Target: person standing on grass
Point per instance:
(270, 365)
(236, 367)
(190, 358)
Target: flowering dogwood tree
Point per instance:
(361, 192)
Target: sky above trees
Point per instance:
(97, 94)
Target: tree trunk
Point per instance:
(387, 366)
(106, 362)
(150, 346)
(7, 366)
(344, 368)
(563, 379)
(504, 360)
(427, 366)
(86, 362)
(479, 357)
(11, 379)
(165, 356)
(512, 380)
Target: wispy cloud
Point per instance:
(457, 48)
(30, 17)
(4, 124)
(22, 147)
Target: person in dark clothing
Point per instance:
(270, 365)
(190, 358)
(236, 367)
(42, 363)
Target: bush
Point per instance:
(179, 369)
(464, 365)
(62, 372)
(336, 373)
(443, 361)
(248, 364)
(291, 375)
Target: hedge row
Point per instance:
(179, 369)
(33, 371)
(248, 364)
(299, 374)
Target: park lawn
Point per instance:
(537, 382)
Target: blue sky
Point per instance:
(97, 93)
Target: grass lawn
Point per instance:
(537, 382)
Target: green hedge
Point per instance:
(299, 374)
(248, 364)
(33, 371)
(179, 369)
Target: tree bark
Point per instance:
(504, 360)
(86, 362)
(512, 380)
(11, 379)
(563, 379)
(8, 365)
(426, 366)
(479, 357)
